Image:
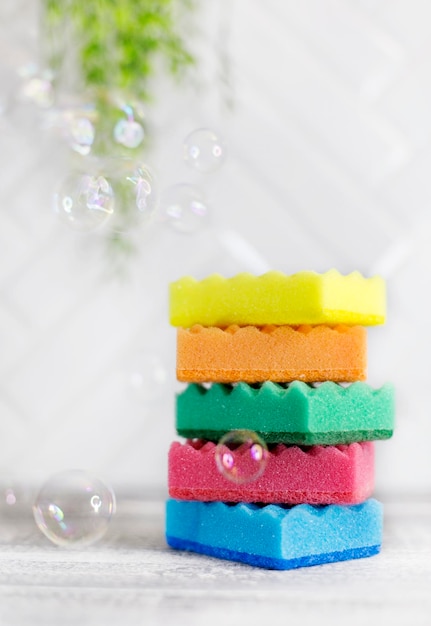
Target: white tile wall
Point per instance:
(329, 160)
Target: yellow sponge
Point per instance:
(276, 298)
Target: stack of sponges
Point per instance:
(276, 350)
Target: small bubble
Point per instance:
(14, 498)
(241, 456)
(142, 181)
(37, 85)
(129, 133)
(81, 135)
(185, 208)
(83, 201)
(39, 91)
(204, 150)
(10, 497)
(74, 508)
(136, 196)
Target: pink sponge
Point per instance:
(341, 474)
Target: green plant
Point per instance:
(117, 43)
(106, 53)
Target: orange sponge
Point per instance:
(276, 353)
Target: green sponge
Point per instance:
(296, 413)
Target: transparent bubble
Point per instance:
(241, 456)
(81, 134)
(204, 150)
(129, 133)
(74, 123)
(10, 497)
(37, 85)
(84, 201)
(13, 498)
(147, 377)
(136, 195)
(74, 508)
(16, 518)
(39, 91)
(185, 208)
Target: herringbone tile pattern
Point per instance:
(329, 154)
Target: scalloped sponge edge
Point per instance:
(275, 537)
(294, 414)
(276, 353)
(277, 298)
(318, 475)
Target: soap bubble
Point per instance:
(37, 85)
(204, 150)
(81, 134)
(75, 123)
(185, 208)
(129, 133)
(84, 201)
(39, 91)
(13, 498)
(241, 456)
(16, 518)
(142, 183)
(74, 508)
(135, 193)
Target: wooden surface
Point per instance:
(132, 578)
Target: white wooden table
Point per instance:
(132, 577)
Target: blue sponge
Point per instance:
(275, 536)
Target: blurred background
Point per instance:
(321, 110)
